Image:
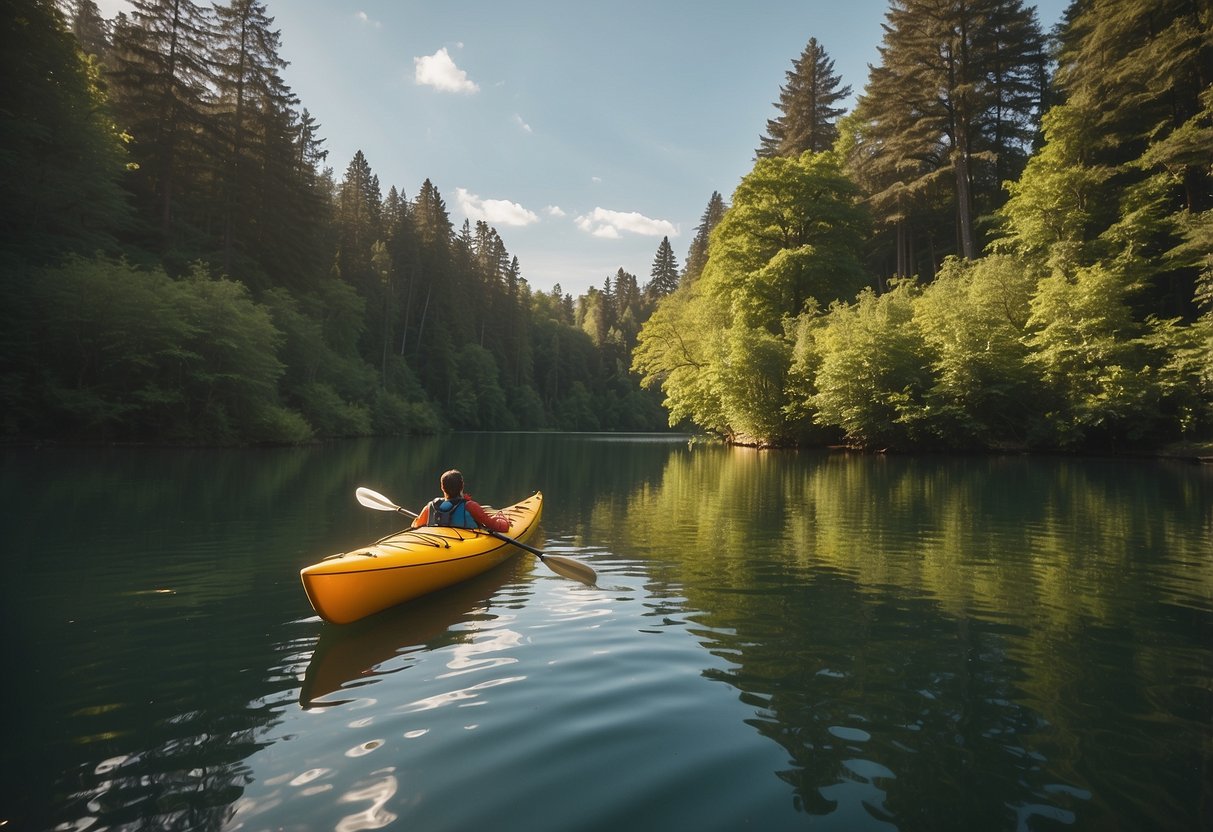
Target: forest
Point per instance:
(1006, 243)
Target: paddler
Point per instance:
(456, 508)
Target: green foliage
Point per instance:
(792, 234)
(1057, 206)
(341, 312)
(718, 346)
(973, 319)
(753, 379)
(872, 377)
(61, 158)
(677, 351)
(331, 415)
(478, 400)
(524, 403)
(575, 412)
(119, 353)
(1091, 358)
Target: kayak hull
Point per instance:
(408, 564)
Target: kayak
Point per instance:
(408, 564)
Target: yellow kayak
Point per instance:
(352, 585)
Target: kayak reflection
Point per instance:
(351, 656)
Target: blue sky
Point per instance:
(583, 132)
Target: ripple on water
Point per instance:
(849, 734)
(362, 749)
(868, 770)
(378, 794)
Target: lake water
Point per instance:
(777, 641)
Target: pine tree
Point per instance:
(957, 90)
(1143, 71)
(664, 274)
(159, 80)
(62, 159)
(91, 29)
(807, 106)
(436, 329)
(255, 110)
(359, 221)
(697, 256)
(1124, 175)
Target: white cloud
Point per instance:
(597, 180)
(522, 124)
(365, 19)
(439, 71)
(554, 211)
(493, 211)
(610, 224)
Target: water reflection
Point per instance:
(353, 656)
(868, 642)
(375, 816)
(982, 631)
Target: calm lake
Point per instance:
(777, 641)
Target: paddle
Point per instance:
(567, 567)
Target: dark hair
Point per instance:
(452, 483)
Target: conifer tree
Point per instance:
(1124, 175)
(697, 256)
(957, 89)
(664, 274)
(62, 159)
(255, 108)
(807, 106)
(159, 81)
(359, 221)
(91, 29)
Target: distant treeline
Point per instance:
(1007, 243)
(180, 265)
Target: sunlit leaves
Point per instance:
(873, 372)
(973, 319)
(717, 346)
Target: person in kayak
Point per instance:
(455, 508)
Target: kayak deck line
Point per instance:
(410, 565)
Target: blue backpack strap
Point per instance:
(455, 513)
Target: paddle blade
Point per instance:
(375, 500)
(572, 569)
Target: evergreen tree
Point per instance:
(697, 256)
(62, 159)
(359, 221)
(434, 356)
(957, 90)
(91, 29)
(664, 274)
(807, 107)
(159, 79)
(1123, 174)
(255, 108)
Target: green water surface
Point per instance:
(777, 640)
